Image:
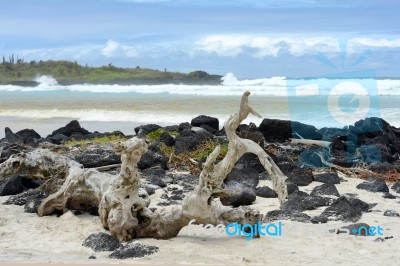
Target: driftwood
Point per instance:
(123, 205)
(321, 143)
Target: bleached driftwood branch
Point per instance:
(200, 204)
(321, 143)
(123, 205)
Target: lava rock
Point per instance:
(241, 195)
(158, 182)
(328, 178)
(330, 133)
(325, 190)
(97, 157)
(391, 213)
(183, 126)
(311, 157)
(33, 203)
(275, 130)
(189, 139)
(208, 128)
(71, 128)
(301, 176)
(29, 136)
(346, 209)
(13, 138)
(187, 181)
(11, 186)
(248, 177)
(319, 219)
(152, 159)
(396, 187)
(57, 139)
(250, 161)
(374, 185)
(291, 187)
(149, 189)
(376, 153)
(26, 197)
(172, 128)
(133, 250)
(301, 201)
(206, 120)
(371, 125)
(277, 215)
(167, 139)
(266, 192)
(387, 195)
(143, 130)
(101, 242)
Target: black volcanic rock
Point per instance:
(346, 209)
(248, 177)
(26, 198)
(301, 201)
(133, 249)
(205, 120)
(240, 195)
(13, 138)
(301, 176)
(96, 157)
(143, 130)
(328, 189)
(291, 187)
(189, 139)
(374, 185)
(101, 242)
(11, 186)
(396, 187)
(71, 128)
(266, 192)
(277, 215)
(167, 139)
(29, 136)
(276, 130)
(151, 159)
(57, 138)
(391, 213)
(312, 157)
(329, 178)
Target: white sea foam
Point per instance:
(46, 81)
(231, 86)
(95, 115)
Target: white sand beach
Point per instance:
(26, 237)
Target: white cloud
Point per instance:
(262, 46)
(111, 48)
(257, 46)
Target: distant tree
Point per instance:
(4, 60)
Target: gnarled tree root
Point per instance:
(123, 205)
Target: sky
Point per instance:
(251, 39)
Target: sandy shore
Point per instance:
(28, 238)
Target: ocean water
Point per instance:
(320, 102)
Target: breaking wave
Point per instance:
(230, 86)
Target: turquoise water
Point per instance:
(108, 108)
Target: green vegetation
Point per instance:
(67, 73)
(100, 140)
(155, 135)
(199, 154)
